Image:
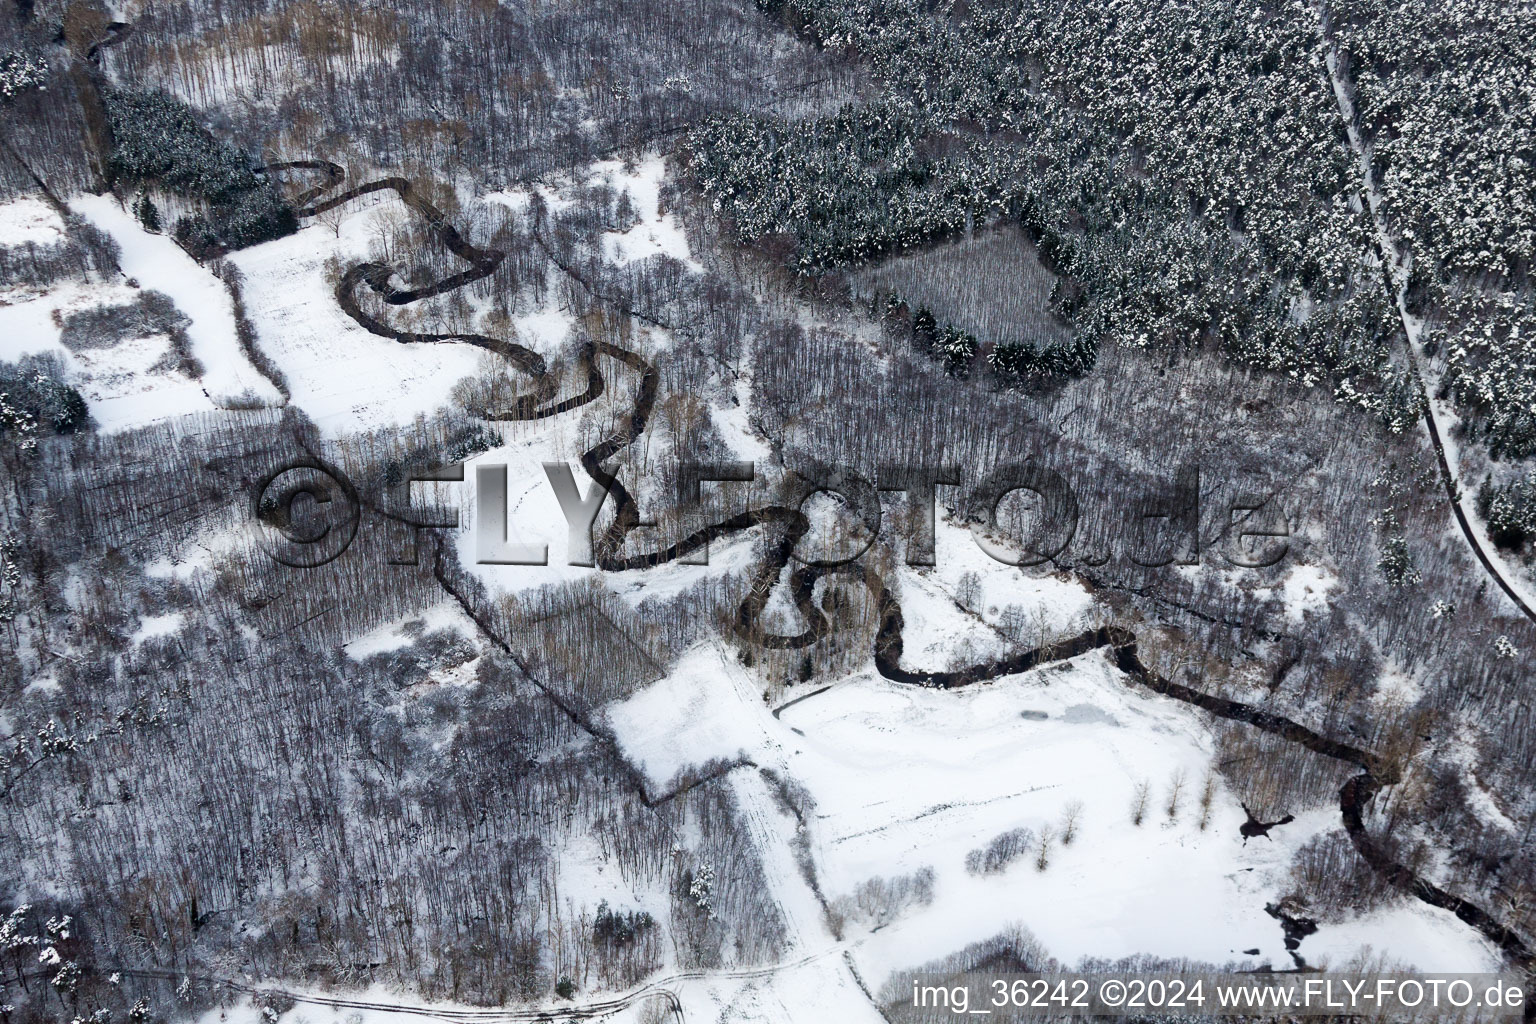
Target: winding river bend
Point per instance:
(1116, 643)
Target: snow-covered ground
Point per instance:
(1001, 603)
(905, 779)
(656, 232)
(343, 377)
(1307, 590)
(392, 636)
(815, 987)
(29, 220)
(124, 386)
(130, 384)
(347, 379)
(156, 262)
(901, 779)
(154, 626)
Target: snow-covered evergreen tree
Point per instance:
(20, 72)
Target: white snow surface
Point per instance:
(120, 385)
(811, 988)
(905, 778)
(157, 262)
(656, 233)
(392, 636)
(939, 630)
(1408, 934)
(1307, 590)
(344, 377)
(705, 707)
(29, 219)
(152, 626)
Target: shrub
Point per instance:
(617, 929)
(148, 213)
(1004, 849)
(466, 443)
(879, 901)
(1396, 563)
(149, 314)
(1510, 511)
(955, 349)
(1139, 798)
(1332, 879)
(19, 73)
(1018, 364)
(33, 397)
(254, 217)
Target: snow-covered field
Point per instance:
(29, 219)
(904, 779)
(128, 385)
(343, 377)
(122, 385)
(156, 262)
